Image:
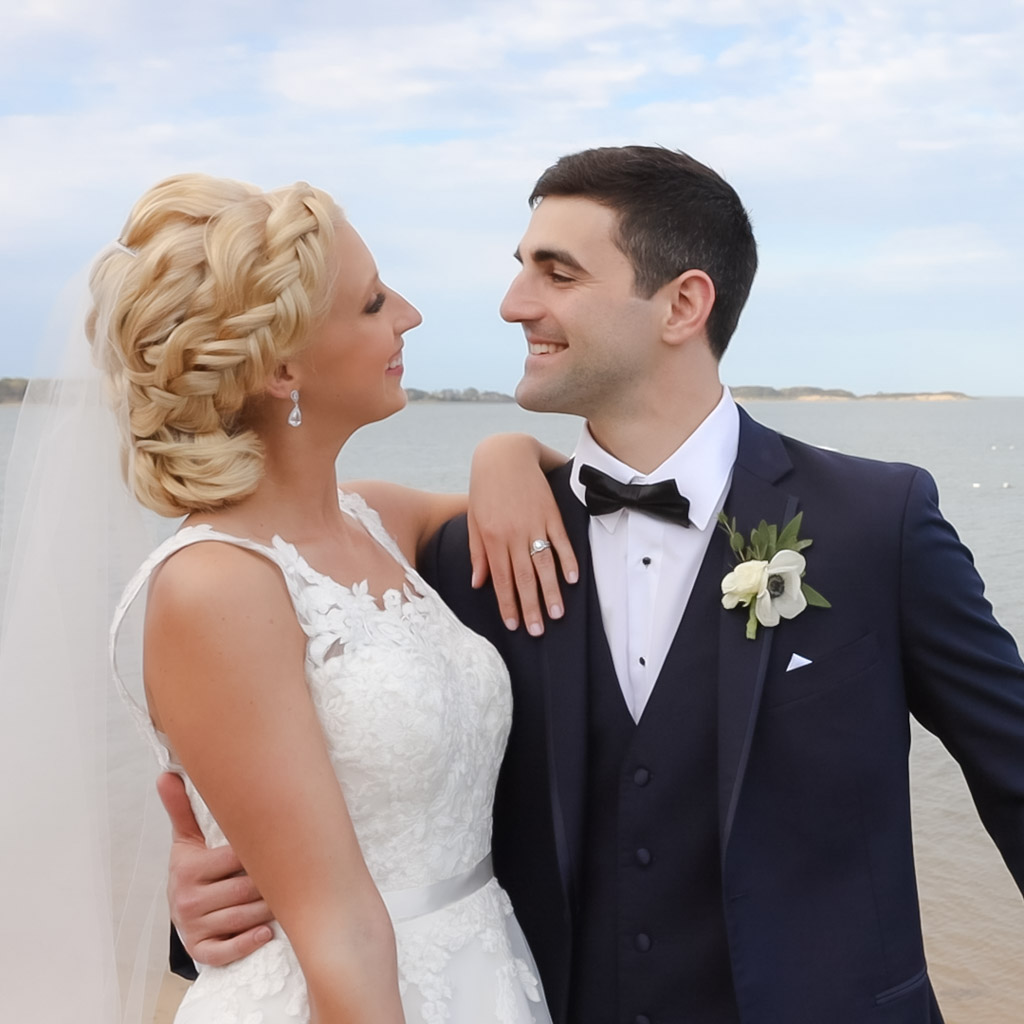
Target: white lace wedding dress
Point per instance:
(415, 709)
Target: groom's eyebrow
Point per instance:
(562, 256)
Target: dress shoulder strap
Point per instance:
(184, 538)
(355, 505)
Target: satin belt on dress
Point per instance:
(405, 904)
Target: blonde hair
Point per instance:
(212, 284)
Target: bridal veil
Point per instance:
(83, 860)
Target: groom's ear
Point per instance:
(689, 299)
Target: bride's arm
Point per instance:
(224, 677)
(509, 506)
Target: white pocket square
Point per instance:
(797, 661)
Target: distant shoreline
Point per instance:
(13, 388)
(455, 395)
(808, 394)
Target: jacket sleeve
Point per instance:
(964, 675)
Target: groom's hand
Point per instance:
(219, 914)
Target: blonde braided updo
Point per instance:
(213, 285)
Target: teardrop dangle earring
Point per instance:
(295, 416)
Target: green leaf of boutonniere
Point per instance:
(768, 578)
(813, 597)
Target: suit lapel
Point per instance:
(755, 494)
(565, 663)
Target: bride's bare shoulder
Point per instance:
(214, 575)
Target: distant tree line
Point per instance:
(12, 389)
(455, 395)
(754, 393)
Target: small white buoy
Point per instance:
(1006, 483)
(993, 447)
(975, 485)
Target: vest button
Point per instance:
(641, 776)
(643, 857)
(642, 942)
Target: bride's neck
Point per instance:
(297, 497)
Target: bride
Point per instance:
(331, 718)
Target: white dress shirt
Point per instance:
(645, 568)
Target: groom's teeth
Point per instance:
(543, 348)
(395, 363)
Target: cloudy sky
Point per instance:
(879, 147)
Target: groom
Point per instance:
(695, 825)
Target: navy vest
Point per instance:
(650, 943)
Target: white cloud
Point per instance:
(943, 254)
(879, 144)
(911, 261)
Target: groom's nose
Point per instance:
(520, 304)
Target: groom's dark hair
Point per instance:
(674, 215)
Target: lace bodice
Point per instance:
(415, 710)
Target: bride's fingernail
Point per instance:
(511, 624)
(555, 611)
(573, 576)
(535, 629)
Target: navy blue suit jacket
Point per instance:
(812, 785)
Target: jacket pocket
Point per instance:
(903, 989)
(825, 671)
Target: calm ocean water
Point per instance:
(973, 913)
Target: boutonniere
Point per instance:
(768, 578)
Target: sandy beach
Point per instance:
(171, 993)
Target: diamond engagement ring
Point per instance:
(538, 546)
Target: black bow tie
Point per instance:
(662, 499)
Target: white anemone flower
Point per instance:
(774, 587)
(781, 596)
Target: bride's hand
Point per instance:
(511, 506)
